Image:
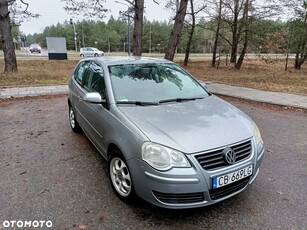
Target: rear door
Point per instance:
(86, 52)
(91, 52)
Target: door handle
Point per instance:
(80, 98)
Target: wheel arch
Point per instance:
(113, 147)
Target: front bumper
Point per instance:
(187, 187)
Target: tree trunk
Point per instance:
(234, 48)
(235, 33)
(301, 56)
(173, 41)
(138, 27)
(297, 56)
(301, 52)
(7, 39)
(246, 35)
(288, 49)
(187, 52)
(242, 55)
(287, 59)
(217, 35)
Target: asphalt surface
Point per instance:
(47, 172)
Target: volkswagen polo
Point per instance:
(166, 138)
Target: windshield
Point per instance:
(153, 83)
(35, 46)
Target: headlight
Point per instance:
(163, 158)
(258, 139)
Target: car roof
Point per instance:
(121, 60)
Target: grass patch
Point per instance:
(254, 74)
(38, 72)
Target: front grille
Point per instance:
(228, 189)
(179, 198)
(214, 160)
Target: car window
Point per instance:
(35, 45)
(79, 72)
(153, 83)
(94, 79)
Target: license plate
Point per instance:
(229, 178)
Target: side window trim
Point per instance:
(101, 76)
(88, 75)
(84, 65)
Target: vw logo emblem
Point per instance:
(229, 156)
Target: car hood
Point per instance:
(191, 126)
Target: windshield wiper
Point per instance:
(179, 99)
(140, 103)
(148, 103)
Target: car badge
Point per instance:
(229, 155)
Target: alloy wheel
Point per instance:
(120, 177)
(72, 118)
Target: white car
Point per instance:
(90, 52)
(35, 48)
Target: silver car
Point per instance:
(90, 52)
(166, 138)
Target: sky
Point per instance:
(52, 12)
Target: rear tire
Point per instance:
(120, 177)
(72, 121)
(81, 55)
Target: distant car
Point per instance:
(165, 137)
(90, 52)
(35, 48)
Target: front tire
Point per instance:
(72, 121)
(120, 177)
(96, 55)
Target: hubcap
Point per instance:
(72, 117)
(120, 176)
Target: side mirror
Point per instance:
(93, 98)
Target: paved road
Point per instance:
(26, 55)
(49, 173)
